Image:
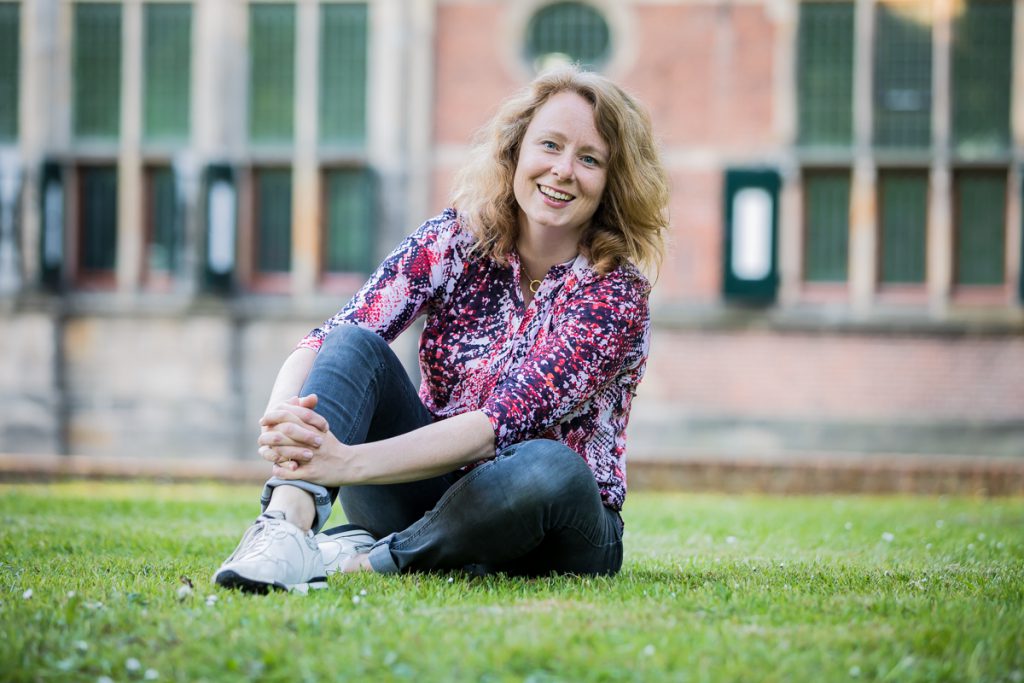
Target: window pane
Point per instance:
(163, 212)
(97, 233)
(981, 227)
(903, 197)
(570, 29)
(903, 75)
(168, 55)
(825, 73)
(9, 46)
(272, 72)
(343, 74)
(348, 244)
(982, 56)
(828, 226)
(97, 70)
(273, 221)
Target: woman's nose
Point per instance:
(562, 167)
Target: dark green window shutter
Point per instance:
(343, 48)
(903, 75)
(572, 29)
(9, 67)
(97, 235)
(903, 208)
(348, 242)
(272, 73)
(825, 73)
(168, 71)
(980, 227)
(982, 59)
(273, 220)
(97, 71)
(161, 248)
(828, 226)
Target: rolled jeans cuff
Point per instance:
(380, 557)
(321, 498)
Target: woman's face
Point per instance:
(562, 168)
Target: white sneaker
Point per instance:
(273, 553)
(342, 542)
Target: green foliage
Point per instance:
(714, 589)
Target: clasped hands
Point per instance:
(299, 443)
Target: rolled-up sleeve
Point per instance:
(401, 287)
(603, 325)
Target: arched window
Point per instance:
(567, 32)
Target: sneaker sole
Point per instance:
(234, 580)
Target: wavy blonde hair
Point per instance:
(631, 219)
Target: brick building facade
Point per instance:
(191, 186)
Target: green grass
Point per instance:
(714, 588)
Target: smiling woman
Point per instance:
(511, 456)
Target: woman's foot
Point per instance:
(273, 554)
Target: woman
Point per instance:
(511, 456)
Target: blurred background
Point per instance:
(186, 188)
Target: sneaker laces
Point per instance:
(257, 542)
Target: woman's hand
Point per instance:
(299, 443)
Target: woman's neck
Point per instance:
(540, 252)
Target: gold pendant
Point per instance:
(535, 285)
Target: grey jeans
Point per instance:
(532, 510)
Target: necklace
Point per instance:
(534, 283)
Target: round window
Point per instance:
(567, 32)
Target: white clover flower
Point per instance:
(183, 592)
(848, 526)
(939, 524)
(211, 600)
(104, 679)
(888, 537)
(649, 651)
(151, 675)
(855, 671)
(362, 592)
(730, 539)
(356, 599)
(81, 645)
(132, 664)
(27, 595)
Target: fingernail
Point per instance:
(318, 441)
(308, 454)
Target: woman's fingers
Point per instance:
(296, 414)
(290, 434)
(284, 454)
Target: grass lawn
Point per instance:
(714, 588)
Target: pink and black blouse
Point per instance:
(565, 367)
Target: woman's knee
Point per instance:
(346, 337)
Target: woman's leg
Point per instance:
(365, 395)
(534, 509)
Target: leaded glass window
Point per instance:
(903, 75)
(348, 239)
(272, 72)
(9, 65)
(568, 32)
(168, 56)
(980, 227)
(903, 217)
(827, 217)
(343, 49)
(825, 73)
(97, 234)
(97, 70)
(982, 59)
(162, 242)
(273, 189)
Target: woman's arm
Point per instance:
(429, 451)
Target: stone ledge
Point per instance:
(909, 474)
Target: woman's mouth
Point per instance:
(555, 195)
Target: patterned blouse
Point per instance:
(565, 367)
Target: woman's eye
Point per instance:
(547, 144)
(588, 160)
